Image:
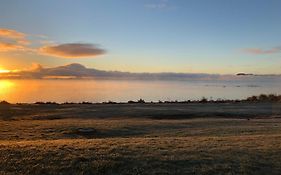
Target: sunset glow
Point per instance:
(4, 71)
(140, 87)
(159, 36)
(5, 86)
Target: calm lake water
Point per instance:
(122, 90)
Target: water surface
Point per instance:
(124, 90)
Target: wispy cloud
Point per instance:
(259, 51)
(8, 33)
(12, 41)
(72, 50)
(161, 4)
(14, 36)
(156, 6)
(6, 47)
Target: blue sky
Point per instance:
(202, 36)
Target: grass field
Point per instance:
(233, 138)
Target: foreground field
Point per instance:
(116, 139)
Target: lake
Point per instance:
(28, 91)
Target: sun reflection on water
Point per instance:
(5, 86)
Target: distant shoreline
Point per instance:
(260, 98)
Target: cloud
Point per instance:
(11, 40)
(6, 47)
(35, 67)
(8, 33)
(13, 35)
(78, 71)
(72, 50)
(156, 6)
(161, 4)
(259, 51)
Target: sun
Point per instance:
(4, 70)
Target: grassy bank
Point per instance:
(212, 138)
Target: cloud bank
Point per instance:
(78, 71)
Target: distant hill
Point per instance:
(78, 71)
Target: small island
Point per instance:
(243, 74)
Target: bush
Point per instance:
(4, 102)
(141, 101)
(204, 100)
(253, 98)
(265, 98)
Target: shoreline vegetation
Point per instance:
(254, 98)
(262, 106)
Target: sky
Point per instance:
(188, 36)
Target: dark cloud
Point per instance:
(72, 50)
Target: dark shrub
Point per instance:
(253, 98)
(204, 100)
(272, 97)
(263, 97)
(4, 102)
(141, 101)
